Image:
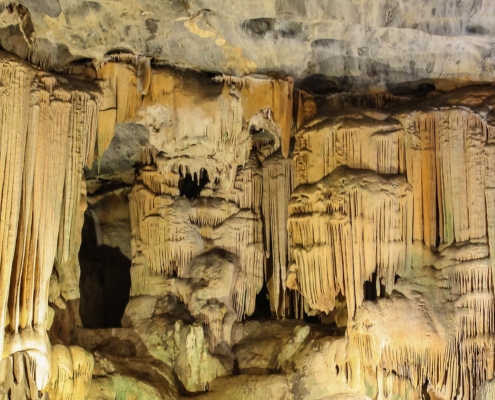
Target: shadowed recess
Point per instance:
(105, 281)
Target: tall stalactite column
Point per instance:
(47, 133)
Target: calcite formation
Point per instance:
(231, 200)
(413, 210)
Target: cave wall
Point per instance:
(405, 195)
(145, 207)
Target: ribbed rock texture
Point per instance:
(402, 199)
(168, 233)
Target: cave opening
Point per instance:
(105, 280)
(262, 308)
(191, 186)
(374, 288)
(312, 319)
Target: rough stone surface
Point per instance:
(352, 45)
(287, 200)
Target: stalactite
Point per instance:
(345, 227)
(162, 230)
(242, 235)
(278, 184)
(247, 188)
(306, 108)
(211, 212)
(340, 236)
(143, 75)
(490, 200)
(48, 134)
(424, 146)
(81, 153)
(285, 105)
(258, 94)
(375, 101)
(357, 142)
(120, 100)
(445, 163)
(217, 140)
(160, 182)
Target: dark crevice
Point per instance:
(420, 90)
(319, 85)
(82, 61)
(235, 369)
(262, 309)
(105, 281)
(190, 186)
(424, 391)
(312, 319)
(370, 288)
(119, 50)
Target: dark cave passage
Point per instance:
(262, 309)
(191, 186)
(105, 280)
(262, 305)
(370, 289)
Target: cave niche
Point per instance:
(105, 280)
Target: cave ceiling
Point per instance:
(349, 45)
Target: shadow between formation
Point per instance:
(105, 281)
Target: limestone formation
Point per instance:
(287, 200)
(430, 167)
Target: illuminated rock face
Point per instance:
(48, 135)
(404, 194)
(167, 233)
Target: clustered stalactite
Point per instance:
(221, 204)
(169, 230)
(48, 134)
(347, 226)
(431, 172)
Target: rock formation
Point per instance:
(289, 201)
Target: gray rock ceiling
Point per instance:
(355, 45)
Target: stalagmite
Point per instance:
(71, 375)
(17, 379)
(62, 377)
(83, 369)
